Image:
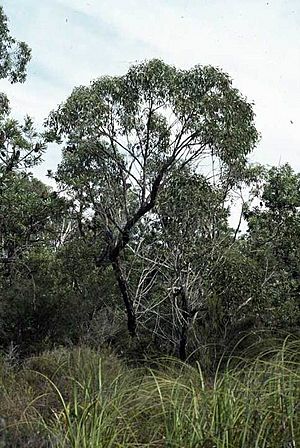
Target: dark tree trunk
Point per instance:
(123, 287)
(182, 345)
(184, 327)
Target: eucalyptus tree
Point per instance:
(123, 135)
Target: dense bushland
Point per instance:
(126, 298)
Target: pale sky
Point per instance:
(74, 41)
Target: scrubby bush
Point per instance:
(81, 398)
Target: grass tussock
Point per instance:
(82, 399)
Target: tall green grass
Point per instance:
(80, 399)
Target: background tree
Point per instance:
(30, 228)
(273, 243)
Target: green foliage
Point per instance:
(30, 400)
(273, 244)
(80, 398)
(28, 209)
(14, 55)
(21, 146)
(207, 116)
(30, 220)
